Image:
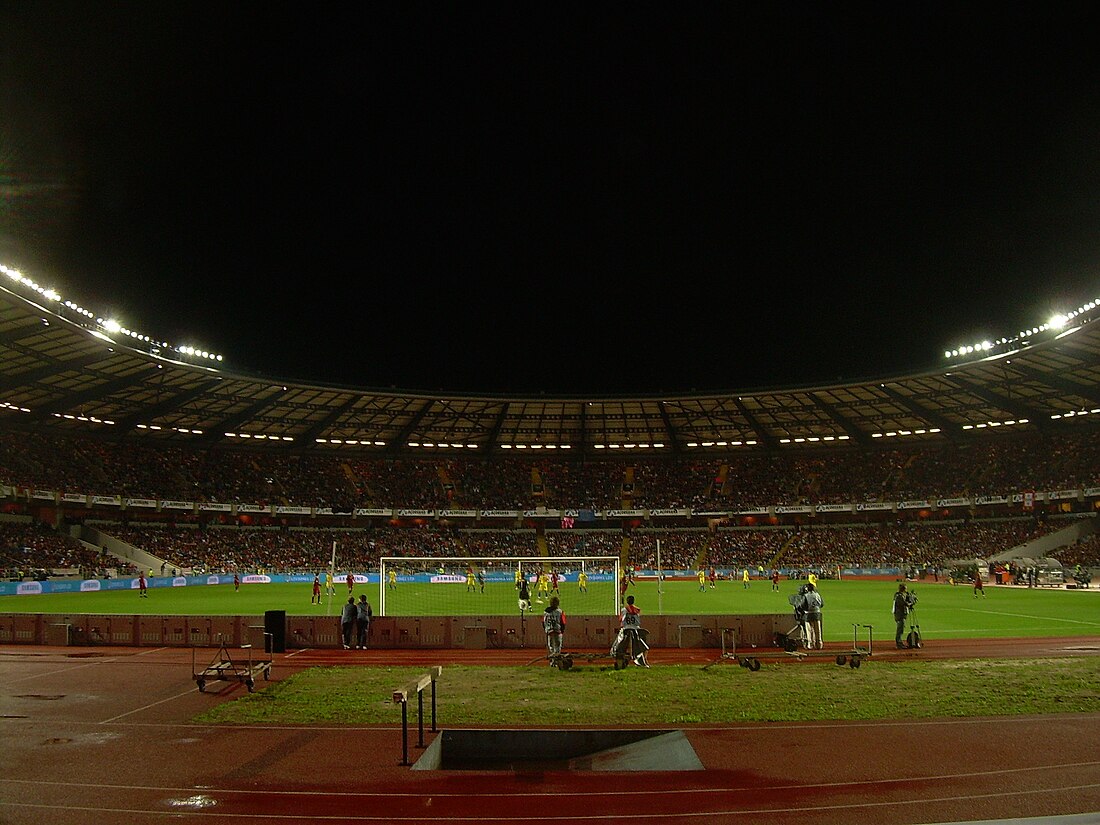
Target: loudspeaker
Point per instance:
(275, 624)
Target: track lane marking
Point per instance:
(150, 705)
(90, 663)
(524, 793)
(632, 816)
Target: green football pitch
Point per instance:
(943, 611)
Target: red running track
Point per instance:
(101, 736)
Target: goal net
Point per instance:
(489, 586)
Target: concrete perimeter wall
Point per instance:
(411, 632)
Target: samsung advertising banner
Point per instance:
(35, 588)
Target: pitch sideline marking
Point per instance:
(1028, 616)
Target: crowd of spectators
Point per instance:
(34, 550)
(990, 466)
(909, 547)
(31, 550)
(1084, 553)
(993, 466)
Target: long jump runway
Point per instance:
(103, 737)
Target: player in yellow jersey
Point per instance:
(702, 581)
(582, 582)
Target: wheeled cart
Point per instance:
(729, 653)
(629, 648)
(224, 668)
(853, 658)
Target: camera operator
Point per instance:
(903, 603)
(811, 605)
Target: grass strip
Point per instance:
(482, 696)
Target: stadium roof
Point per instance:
(62, 371)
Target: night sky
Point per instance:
(560, 199)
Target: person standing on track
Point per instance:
(363, 615)
(553, 623)
(902, 605)
(347, 622)
(630, 632)
(811, 606)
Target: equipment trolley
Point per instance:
(224, 668)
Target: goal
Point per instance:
(488, 586)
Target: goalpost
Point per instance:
(489, 585)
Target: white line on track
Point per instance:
(526, 792)
(84, 664)
(151, 705)
(629, 816)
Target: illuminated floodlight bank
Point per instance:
(111, 326)
(1056, 323)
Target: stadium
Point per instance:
(124, 459)
(452, 414)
